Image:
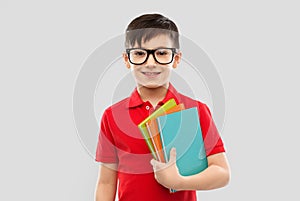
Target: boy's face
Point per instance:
(152, 74)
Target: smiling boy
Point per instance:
(152, 51)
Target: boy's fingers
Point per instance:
(159, 165)
(153, 162)
(156, 164)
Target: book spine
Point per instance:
(152, 140)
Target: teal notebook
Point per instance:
(182, 130)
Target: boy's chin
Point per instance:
(153, 85)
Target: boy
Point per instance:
(152, 50)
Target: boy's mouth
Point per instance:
(151, 74)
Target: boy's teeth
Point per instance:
(151, 73)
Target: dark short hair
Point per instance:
(148, 26)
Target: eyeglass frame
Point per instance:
(174, 51)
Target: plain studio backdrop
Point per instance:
(44, 44)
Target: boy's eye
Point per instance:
(139, 53)
(162, 52)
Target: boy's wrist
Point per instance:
(181, 182)
(185, 183)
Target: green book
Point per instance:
(182, 130)
(143, 128)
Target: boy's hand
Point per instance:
(167, 174)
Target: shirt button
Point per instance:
(147, 107)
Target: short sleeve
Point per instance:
(106, 149)
(211, 137)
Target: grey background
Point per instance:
(254, 44)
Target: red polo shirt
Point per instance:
(120, 141)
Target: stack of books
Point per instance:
(173, 125)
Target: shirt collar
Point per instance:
(135, 99)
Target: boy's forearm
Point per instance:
(211, 178)
(105, 192)
(216, 175)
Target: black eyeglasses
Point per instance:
(139, 56)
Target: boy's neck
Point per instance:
(153, 95)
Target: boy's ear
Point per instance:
(177, 59)
(126, 60)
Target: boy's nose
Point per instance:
(151, 60)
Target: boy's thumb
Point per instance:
(173, 155)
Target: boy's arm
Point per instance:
(216, 175)
(107, 183)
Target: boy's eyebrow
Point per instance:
(153, 48)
